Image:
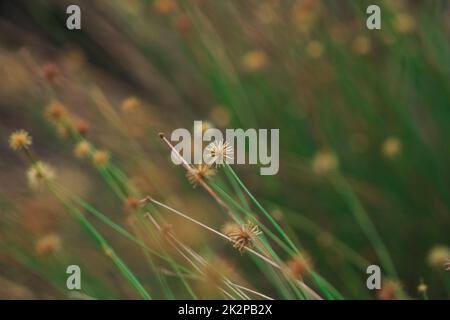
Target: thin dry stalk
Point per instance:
(177, 243)
(307, 289)
(252, 291)
(150, 199)
(203, 262)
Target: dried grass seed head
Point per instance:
(130, 104)
(438, 256)
(218, 153)
(404, 23)
(39, 174)
(82, 149)
(255, 60)
(132, 205)
(315, 49)
(56, 112)
(390, 290)
(325, 163)
(20, 139)
(391, 148)
(361, 45)
(244, 236)
(422, 288)
(202, 172)
(300, 266)
(165, 7)
(82, 127)
(51, 73)
(101, 158)
(48, 244)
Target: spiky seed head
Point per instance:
(202, 172)
(101, 158)
(218, 153)
(244, 236)
(39, 174)
(82, 150)
(19, 140)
